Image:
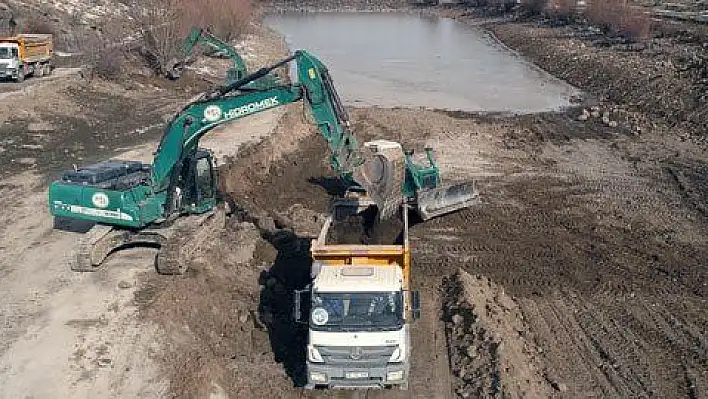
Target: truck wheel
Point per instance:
(21, 75)
(39, 71)
(47, 70)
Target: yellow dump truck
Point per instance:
(26, 54)
(359, 306)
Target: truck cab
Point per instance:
(359, 308)
(9, 60)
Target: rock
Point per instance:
(595, 108)
(584, 116)
(595, 114)
(606, 114)
(556, 384)
(560, 387)
(457, 319)
(104, 362)
(606, 120)
(471, 351)
(462, 373)
(243, 318)
(27, 161)
(124, 285)
(612, 124)
(40, 127)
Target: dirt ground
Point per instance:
(65, 334)
(582, 273)
(591, 245)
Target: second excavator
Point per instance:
(171, 202)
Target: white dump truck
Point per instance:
(26, 54)
(359, 308)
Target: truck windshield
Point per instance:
(360, 311)
(5, 53)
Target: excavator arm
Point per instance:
(386, 174)
(168, 203)
(198, 35)
(228, 103)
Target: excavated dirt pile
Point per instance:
(365, 228)
(491, 348)
(216, 341)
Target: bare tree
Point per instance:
(163, 24)
(158, 23)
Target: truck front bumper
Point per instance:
(8, 73)
(337, 377)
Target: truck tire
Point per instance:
(21, 75)
(47, 70)
(39, 70)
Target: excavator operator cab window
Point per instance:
(204, 177)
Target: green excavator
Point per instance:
(236, 71)
(172, 203)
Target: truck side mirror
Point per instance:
(298, 297)
(415, 299)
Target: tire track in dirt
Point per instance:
(605, 256)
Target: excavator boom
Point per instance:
(159, 203)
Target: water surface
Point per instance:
(403, 60)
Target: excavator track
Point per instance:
(179, 242)
(87, 256)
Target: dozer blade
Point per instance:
(443, 200)
(382, 175)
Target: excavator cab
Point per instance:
(200, 183)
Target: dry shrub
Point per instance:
(163, 24)
(227, 19)
(534, 7)
(109, 64)
(105, 55)
(563, 9)
(619, 17)
(38, 25)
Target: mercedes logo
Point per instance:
(356, 353)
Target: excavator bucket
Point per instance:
(382, 175)
(441, 200)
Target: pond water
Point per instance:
(404, 60)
